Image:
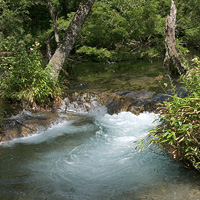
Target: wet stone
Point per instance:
(26, 122)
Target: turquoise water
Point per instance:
(92, 157)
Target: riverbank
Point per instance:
(115, 86)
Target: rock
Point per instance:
(79, 103)
(125, 101)
(26, 123)
(136, 102)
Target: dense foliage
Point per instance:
(180, 121)
(115, 30)
(127, 29)
(135, 29)
(24, 77)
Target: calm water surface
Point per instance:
(116, 77)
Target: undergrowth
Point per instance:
(23, 76)
(179, 129)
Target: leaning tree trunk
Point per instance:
(172, 60)
(62, 52)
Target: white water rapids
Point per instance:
(92, 158)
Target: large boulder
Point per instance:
(125, 101)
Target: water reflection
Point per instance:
(117, 76)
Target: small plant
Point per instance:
(179, 129)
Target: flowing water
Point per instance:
(92, 158)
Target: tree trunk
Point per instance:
(64, 48)
(172, 60)
(48, 43)
(55, 28)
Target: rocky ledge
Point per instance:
(135, 102)
(26, 122)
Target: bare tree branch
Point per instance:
(55, 27)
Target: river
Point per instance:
(91, 157)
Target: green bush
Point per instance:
(101, 54)
(179, 131)
(23, 77)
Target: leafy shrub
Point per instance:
(179, 131)
(97, 54)
(23, 77)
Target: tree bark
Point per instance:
(48, 43)
(55, 28)
(172, 60)
(64, 48)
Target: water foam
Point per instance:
(119, 123)
(88, 158)
(105, 158)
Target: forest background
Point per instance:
(117, 30)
